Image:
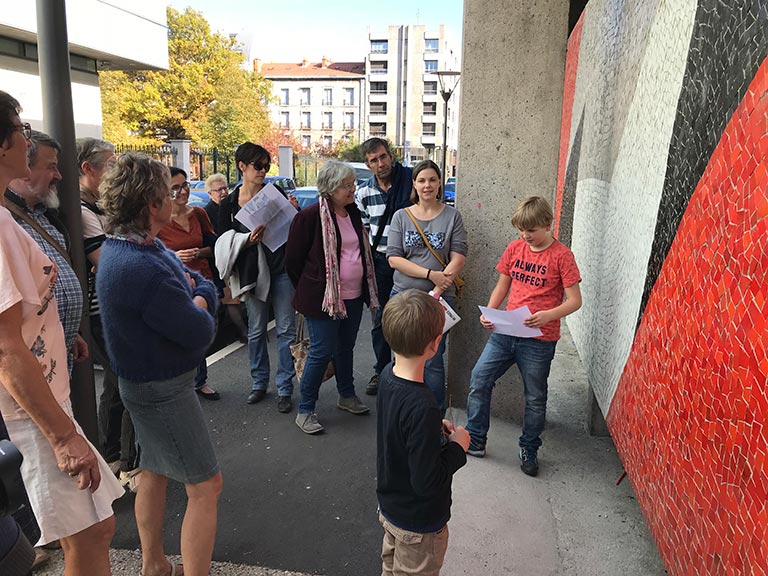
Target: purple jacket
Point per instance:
(305, 258)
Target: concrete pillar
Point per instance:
(512, 85)
(181, 158)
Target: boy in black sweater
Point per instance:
(417, 453)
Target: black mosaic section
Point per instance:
(728, 44)
(568, 202)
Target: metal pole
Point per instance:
(59, 122)
(446, 97)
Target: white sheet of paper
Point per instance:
(270, 208)
(510, 322)
(451, 317)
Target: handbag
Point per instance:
(300, 351)
(458, 281)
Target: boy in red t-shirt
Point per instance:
(535, 271)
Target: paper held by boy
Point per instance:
(451, 317)
(510, 322)
(271, 209)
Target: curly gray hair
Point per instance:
(331, 175)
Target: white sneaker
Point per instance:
(308, 423)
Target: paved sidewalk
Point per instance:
(300, 505)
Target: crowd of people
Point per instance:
(159, 272)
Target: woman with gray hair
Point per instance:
(158, 321)
(328, 259)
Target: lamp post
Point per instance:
(448, 79)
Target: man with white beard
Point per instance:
(33, 202)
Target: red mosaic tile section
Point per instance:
(690, 415)
(571, 67)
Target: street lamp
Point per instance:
(449, 79)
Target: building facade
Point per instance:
(319, 103)
(404, 93)
(92, 48)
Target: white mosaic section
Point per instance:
(614, 222)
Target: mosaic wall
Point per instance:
(663, 196)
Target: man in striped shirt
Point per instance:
(388, 190)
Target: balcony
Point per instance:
(428, 139)
(379, 117)
(377, 97)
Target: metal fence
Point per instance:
(207, 161)
(165, 153)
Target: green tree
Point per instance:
(205, 95)
(349, 150)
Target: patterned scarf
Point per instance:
(332, 301)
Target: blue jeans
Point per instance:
(533, 357)
(434, 369)
(330, 340)
(384, 282)
(281, 292)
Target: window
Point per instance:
(378, 107)
(304, 96)
(378, 67)
(285, 120)
(306, 141)
(306, 121)
(349, 96)
(378, 87)
(430, 65)
(378, 129)
(349, 120)
(430, 108)
(328, 97)
(327, 141)
(431, 45)
(284, 99)
(327, 119)
(379, 46)
(430, 87)
(428, 129)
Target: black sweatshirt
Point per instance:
(414, 466)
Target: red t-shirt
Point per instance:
(176, 238)
(539, 279)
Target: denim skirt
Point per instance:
(171, 433)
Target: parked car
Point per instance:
(306, 195)
(362, 172)
(450, 193)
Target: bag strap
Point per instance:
(299, 327)
(16, 211)
(424, 238)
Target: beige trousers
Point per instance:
(407, 553)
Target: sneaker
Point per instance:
(476, 449)
(529, 464)
(352, 405)
(308, 423)
(284, 404)
(373, 385)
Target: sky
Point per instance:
(290, 30)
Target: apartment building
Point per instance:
(404, 99)
(320, 103)
(91, 49)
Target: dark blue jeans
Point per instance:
(330, 340)
(384, 282)
(533, 357)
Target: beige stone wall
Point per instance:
(509, 132)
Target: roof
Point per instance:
(350, 70)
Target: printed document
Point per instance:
(510, 322)
(270, 208)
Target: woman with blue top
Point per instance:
(416, 266)
(158, 321)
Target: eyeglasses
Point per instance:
(25, 129)
(378, 160)
(219, 190)
(350, 186)
(176, 188)
(259, 166)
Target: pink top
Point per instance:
(351, 262)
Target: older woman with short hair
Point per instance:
(217, 188)
(329, 262)
(159, 321)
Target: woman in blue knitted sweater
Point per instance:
(158, 319)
